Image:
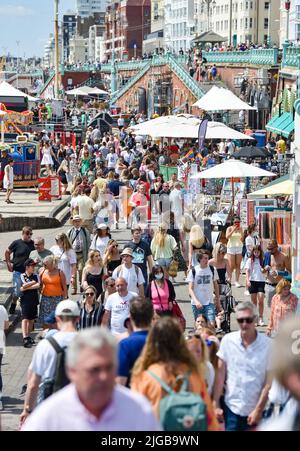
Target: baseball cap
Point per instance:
(67, 308)
(102, 226)
(29, 262)
(76, 218)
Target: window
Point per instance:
(222, 9)
(246, 5)
(221, 25)
(218, 9)
(226, 9)
(297, 31)
(266, 23)
(218, 26)
(246, 22)
(241, 24)
(267, 5)
(298, 12)
(250, 22)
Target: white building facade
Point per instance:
(79, 50)
(86, 8)
(290, 22)
(179, 17)
(240, 21)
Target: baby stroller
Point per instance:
(228, 303)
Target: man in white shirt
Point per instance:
(203, 282)
(243, 364)
(117, 307)
(44, 358)
(121, 122)
(85, 209)
(130, 272)
(230, 147)
(111, 159)
(93, 401)
(176, 203)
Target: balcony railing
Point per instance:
(290, 56)
(264, 57)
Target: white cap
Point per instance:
(67, 308)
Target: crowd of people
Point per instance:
(129, 288)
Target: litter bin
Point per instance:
(260, 137)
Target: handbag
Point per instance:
(177, 313)
(173, 268)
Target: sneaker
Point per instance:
(261, 322)
(238, 285)
(27, 342)
(246, 293)
(12, 309)
(31, 340)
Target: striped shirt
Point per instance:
(92, 318)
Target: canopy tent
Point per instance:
(285, 188)
(218, 99)
(85, 91)
(233, 169)
(7, 90)
(185, 126)
(282, 125)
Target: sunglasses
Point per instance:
(115, 246)
(29, 233)
(248, 320)
(90, 294)
(111, 286)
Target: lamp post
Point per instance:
(208, 4)
(56, 85)
(287, 6)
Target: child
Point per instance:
(29, 300)
(255, 280)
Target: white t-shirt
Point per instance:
(66, 259)
(119, 308)
(3, 318)
(100, 244)
(111, 159)
(203, 284)
(44, 357)
(251, 241)
(132, 277)
(255, 270)
(176, 203)
(85, 205)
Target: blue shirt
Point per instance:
(129, 350)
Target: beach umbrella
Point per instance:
(221, 99)
(251, 152)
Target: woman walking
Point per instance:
(48, 156)
(91, 311)
(67, 258)
(163, 247)
(220, 263)
(53, 287)
(284, 303)
(93, 273)
(167, 357)
(101, 239)
(112, 258)
(8, 180)
(161, 292)
(234, 235)
(255, 280)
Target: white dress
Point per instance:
(8, 179)
(47, 157)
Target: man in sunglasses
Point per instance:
(243, 364)
(20, 249)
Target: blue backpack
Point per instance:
(183, 410)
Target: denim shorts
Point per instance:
(164, 262)
(207, 310)
(16, 284)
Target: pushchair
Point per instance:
(228, 303)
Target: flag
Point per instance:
(190, 154)
(202, 134)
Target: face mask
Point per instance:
(159, 276)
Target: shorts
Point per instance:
(235, 250)
(256, 287)
(208, 311)
(16, 284)
(164, 262)
(29, 310)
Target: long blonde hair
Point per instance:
(90, 261)
(65, 240)
(196, 338)
(196, 236)
(90, 287)
(160, 235)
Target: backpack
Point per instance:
(60, 378)
(183, 410)
(211, 268)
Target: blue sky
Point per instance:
(27, 21)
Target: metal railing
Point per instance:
(290, 56)
(130, 83)
(264, 57)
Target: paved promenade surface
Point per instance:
(17, 358)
